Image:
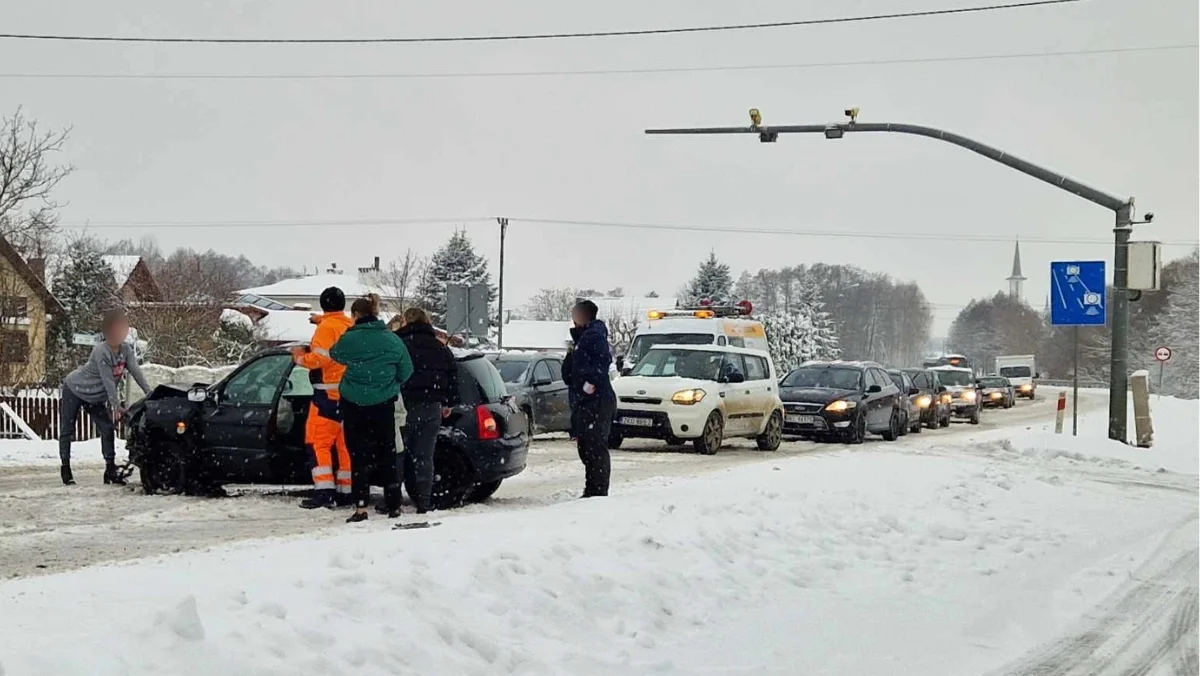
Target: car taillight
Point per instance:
(488, 429)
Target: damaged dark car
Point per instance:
(249, 429)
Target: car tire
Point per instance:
(904, 426)
(975, 417)
(916, 429)
(615, 439)
(893, 429)
(710, 440)
(771, 437)
(484, 490)
(858, 430)
(945, 422)
(934, 422)
(452, 481)
(529, 426)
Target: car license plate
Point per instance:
(800, 419)
(638, 422)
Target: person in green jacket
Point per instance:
(377, 363)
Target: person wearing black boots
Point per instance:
(595, 402)
(93, 388)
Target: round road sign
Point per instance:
(1163, 353)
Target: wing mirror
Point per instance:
(873, 389)
(914, 390)
(197, 395)
(941, 389)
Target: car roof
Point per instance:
(842, 364)
(947, 367)
(710, 348)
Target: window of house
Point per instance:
(14, 347)
(14, 306)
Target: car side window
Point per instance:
(256, 384)
(541, 373)
(737, 341)
(555, 367)
(883, 378)
(882, 382)
(919, 380)
(756, 369)
(732, 363)
(908, 383)
(720, 340)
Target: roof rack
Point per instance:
(706, 310)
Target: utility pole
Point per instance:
(1122, 207)
(500, 326)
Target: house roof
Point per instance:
(313, 285)
(27, 274)
(292, 326)
(123, 266)
(537, 335)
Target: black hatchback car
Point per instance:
(249, 428)
(841, 400)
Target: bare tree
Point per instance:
(27, 179)
(551, 304)
(401, 277)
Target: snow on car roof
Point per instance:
(709, 348)
(947, 367)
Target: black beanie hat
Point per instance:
(333, 300)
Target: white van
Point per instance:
(702, 325)
(1021, 371)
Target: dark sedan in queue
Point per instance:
(841, 401)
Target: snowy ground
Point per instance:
(975, 550)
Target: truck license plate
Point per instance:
(801, 419)
(637, 422)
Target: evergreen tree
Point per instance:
(455, 263)
(712, 282)
(1178, 329)
(86, 287)
(791, 339)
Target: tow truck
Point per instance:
(701, 324)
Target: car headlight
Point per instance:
(946, 398)
(996, 395)
(1026, 387)
(924, 401)
(688, 397)
(840, 405)
(968, 395)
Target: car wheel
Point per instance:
(975, 417)
(713, 435)
(771, 437)
(933, 421)
(529, 426)
(615, 440)
(483, 491)
(893, 429)
(858, 430)
(916, 429)
(945, 421)
(451, 479)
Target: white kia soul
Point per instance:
(700, 393)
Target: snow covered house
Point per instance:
(25, 306)
(305, 292)
(134, 282)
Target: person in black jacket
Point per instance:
(427, 394)
(595, 401)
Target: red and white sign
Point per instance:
(1163, 353)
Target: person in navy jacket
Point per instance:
(595, 403)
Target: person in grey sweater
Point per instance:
(93, 388)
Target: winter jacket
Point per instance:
(435, 372)
(96, 381)
(590, 362)
(377, 363)
(324, 373)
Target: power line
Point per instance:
(591, 72)
(893, 235)
(539, 36)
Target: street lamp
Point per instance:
(1120, 206)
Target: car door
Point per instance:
(740, 410)
(878, 402)
(542, 395)
(559, 400)
(762, 390)
(240, 424)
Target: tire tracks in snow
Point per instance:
(1146, 626)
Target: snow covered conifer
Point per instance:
(455, 263)
(86, 287)
(713, 281)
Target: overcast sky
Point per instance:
(572, 148)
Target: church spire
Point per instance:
(1016, 281)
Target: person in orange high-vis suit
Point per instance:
(323, 431)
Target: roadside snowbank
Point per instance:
(24, 453)
(842, 563)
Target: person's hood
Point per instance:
(661, 388)
(417, 328)
(599, 327)
(815, 395)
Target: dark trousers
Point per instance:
(593, 421)
(101, 418)
(420, 439)
(371, 440)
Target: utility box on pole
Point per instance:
(1145, 266)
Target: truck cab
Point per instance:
(703, 324)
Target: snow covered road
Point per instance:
(978, 551)
(47, 528)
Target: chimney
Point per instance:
(38, 265)
(376, 267)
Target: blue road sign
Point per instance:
(1077, 293)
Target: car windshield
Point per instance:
(642, 344)
(993, 382)
(956, 378)
(1016, 371)
(825, 378)
(512, 370)
(665, 362)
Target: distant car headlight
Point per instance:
(924, 401)
(996, 395)
(946, 398)
(688, 397)
(840, 405)
(1026, 387)
(968, 395)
